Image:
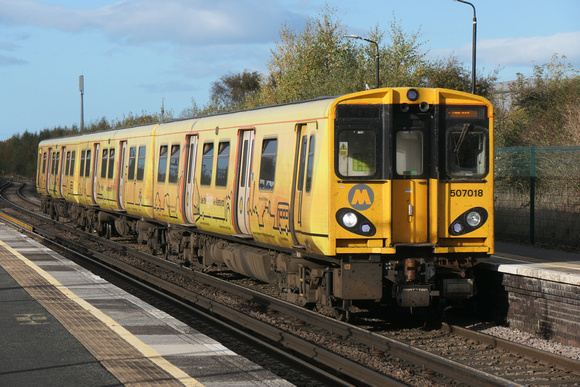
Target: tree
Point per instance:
(232, 90)
(543, 108)
(320, 60)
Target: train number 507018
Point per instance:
(470, 193)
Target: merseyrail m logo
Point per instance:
(361, 197)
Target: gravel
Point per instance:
(530, 340)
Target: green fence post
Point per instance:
(532, 193)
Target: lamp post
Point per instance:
(472, 45)
(82, 90)
(376, 57)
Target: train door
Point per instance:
(48, 169)
(411, 178)
(60, 171)
(244, 167)
(95, 174)
(122, 175)
(189, 196)
(303, 169)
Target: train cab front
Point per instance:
(414, 191)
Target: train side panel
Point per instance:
(70, 180)
(106, 154)
(169, 171)
(42, 168)
(215, 175)
(138, 171)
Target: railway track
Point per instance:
(441, 356)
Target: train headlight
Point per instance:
(473, 219)
(355, 222)
(349, 219)
(469, 221)
(412, 94)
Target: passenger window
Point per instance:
(268, 164)
(111, 162)
(174, 164)
(82, 169)
(409, 150)
(72, 163)
(223, 160)
(132, 163)
(310, 168)
(357, 153)
(44, 163)
(141, 163)
(88, 164)
(57, 164)
(244, 160)
(67, 163)
(53, 166)
(206, 164)
(302, 163)
(162, 167)
(104, 159)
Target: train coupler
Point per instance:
(457, 288)
(415, 296)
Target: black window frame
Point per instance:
(476, 123)
(360, 117)
(111, 169)
(132, 163)
(72, 163)
(104, 161)
(162, 164)
(173, 174)
(88, 163)
(267, 179)
(141, 162)
(310, 165)
(67, 166)
(207, 164)
(223, 161)
(82, 166)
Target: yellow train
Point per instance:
(384, 195)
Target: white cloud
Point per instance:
(520, 51)
(193, 22)
(523, 51)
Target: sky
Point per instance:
(135, 53)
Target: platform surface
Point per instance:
(536, 262)
(64, 326)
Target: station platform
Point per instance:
(534, 289)
(536, 262)
(64, 326)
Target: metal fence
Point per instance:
(537, 194)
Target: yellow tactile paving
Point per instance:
(136, 363)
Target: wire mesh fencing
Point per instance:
(537, 194)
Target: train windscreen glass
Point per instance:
(467, 142)
(356, 153)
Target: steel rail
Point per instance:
(378, 343)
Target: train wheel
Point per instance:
(108, 230)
